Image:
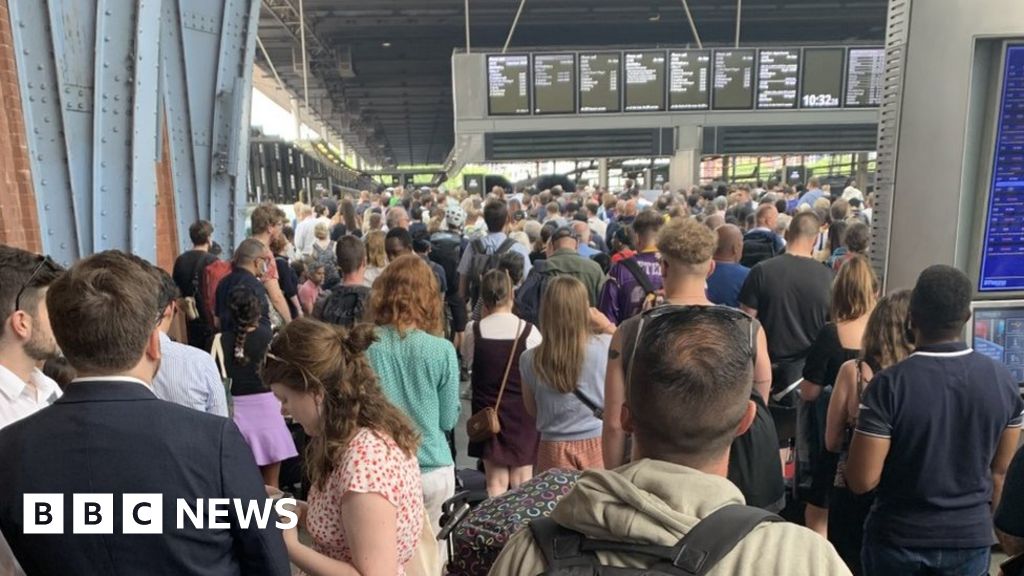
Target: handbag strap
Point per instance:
(594, 408)
(508, 366)
(217, 351)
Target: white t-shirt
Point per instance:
(503, 326)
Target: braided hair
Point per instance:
(244, 306)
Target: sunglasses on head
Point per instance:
(682, 315)
(43, 261)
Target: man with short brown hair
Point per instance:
(110, 435)
(267, 221)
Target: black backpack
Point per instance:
(482, 262)
(344, 305)
(446, 251)
(570, 553)
(529, 295)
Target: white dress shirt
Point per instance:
(16, 402)
(189, 376)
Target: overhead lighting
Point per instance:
(386, 44)
(654, 15)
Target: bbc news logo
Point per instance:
(144, 513)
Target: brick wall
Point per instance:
(166, 230)
(19, 222)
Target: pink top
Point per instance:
(373, 464)
(308, 293)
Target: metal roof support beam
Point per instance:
(693, 26)
(468, 51)
(739, 20)
(515, 22)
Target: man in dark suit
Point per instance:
(109, 434)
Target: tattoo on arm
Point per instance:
(613, 354)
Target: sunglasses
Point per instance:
(43, 261)
(683, 315)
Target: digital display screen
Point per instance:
(734, 79)
(822, 78)
(865, 71)
(999, 334)
(508, 84)
(600, 82)
(1002, 257)
(554, 83)
(645, 81)
(689, 80)
(778, 76)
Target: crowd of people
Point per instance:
(679, 349)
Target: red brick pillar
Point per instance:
(166, 227)
(19, 221)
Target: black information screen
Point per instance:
(822, 83)
(645, 81)
(778, 74)
(999, 334)
(865, 72)
(1002, 258)
(554, 83)
(508, 84)
(734, 79)
(689, 80)
(600, 81)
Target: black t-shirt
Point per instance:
(288, 280)
(791, 295)
(826, 356)
(186, 267)
(237, 278)
(245, 377)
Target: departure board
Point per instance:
(821, 84)
(508, 84)
(865, 77)
(734, 79)
(689, 80)
(645, 81)
(778, 74)
(600, 82)
(554, 83)
(1002, 258)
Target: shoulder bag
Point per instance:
(485, 424)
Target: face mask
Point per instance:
(262, 267)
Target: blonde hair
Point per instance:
(687, 242)
(564, 326)
(854, 290)
(321, 231)
(375, 253)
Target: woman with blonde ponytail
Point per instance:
(365, 509)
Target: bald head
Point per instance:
(767, 216)
(730, 244)
(714, 221)
(583, 231)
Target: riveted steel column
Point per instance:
(37, 78)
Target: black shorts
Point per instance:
(457, 307)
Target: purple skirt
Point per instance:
(258, 417)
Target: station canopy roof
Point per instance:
(380, 70)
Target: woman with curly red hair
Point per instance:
(365, 510)
(418, 369)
